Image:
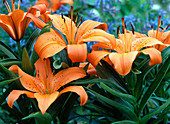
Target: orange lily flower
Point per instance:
(128, 47)
(162, 36)
(16, 22)
(50, 43)
(54, 5)
(44, 87)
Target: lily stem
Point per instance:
(19, 48)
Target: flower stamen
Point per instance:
(7, 5)
(19, 3)
(158, 26)
(71, 23)
(79, 22)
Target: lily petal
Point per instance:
(41, 7)
(43, 70)
(88, 25)
(155, 55)
(7, 24)
(48, 44)
(17, 17)
(14, 95)
(123, 62)
(65, 76)
(96, 35)
(101, 45)
(38, 23)
(95, 56)
(144, 42)
(79, 90)
(33, 10)
(77, 53)
(45, 100)
(27, 81)
(64, 26)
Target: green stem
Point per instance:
(19, 48)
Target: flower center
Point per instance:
(72, 33)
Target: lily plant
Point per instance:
(46, 87)
(163, 36)
(50, 43)
(127, 48)
(16, 21)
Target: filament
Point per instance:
(71, 23)
(19, 3)
(13, 5)
(158, 26)
(7, 6)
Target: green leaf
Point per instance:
(131, 80)
(9, 62)
(3, 83)
(40, 118)
(93, 81)
(7, 51)
(161, 108)
(119, 106)
(165, 53)
(127, 97)
(31, 40)
(161, 116)
(34, 57)
(107, 72)
(46, 28)
(26, 63)
(155, 84)
(124, 122)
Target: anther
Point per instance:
(133, 30)
(4, 1)
(161, 27)
(152, 26)
(167, 27)
(123, 30)
(118, 29)
(81, 19)
(62, 15)
(68, 14)
(161, 22)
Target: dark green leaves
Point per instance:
(40, 118)
(154, 85)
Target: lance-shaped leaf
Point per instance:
(161, 108)
(155, 84)
(3, 83)
(26, 63)
(117, 105)
(127, 97)
(40, 118)
(6, 50)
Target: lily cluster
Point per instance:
(72, 35)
